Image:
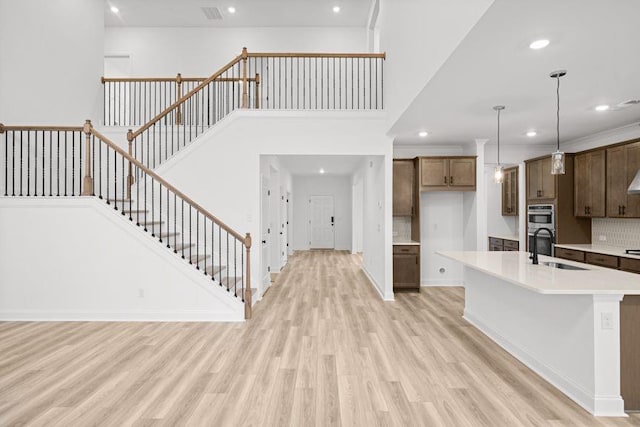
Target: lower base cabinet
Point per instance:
(498, 244)
(406, 267)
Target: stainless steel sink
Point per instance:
(563, 266)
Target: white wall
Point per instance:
(338, 186)
(357, 214)
(418, 37)
(221, 170)
(441, 229)
(199, 52)
(94, 264)
(377, 239)
(51, 61)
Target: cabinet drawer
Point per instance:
(511, 245)
(494, 241)
(602, 260)
(630, 264)
(406, 249)
(570, 254)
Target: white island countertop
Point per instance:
(516, 268)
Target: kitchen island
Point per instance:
(563, 324)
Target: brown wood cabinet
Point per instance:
(447, 173)
(622, 164)
(406, 267)
(498, 244)
(510, 192)
(589, 181)
(541, 185)
(403, 187)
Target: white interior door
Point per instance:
(265, 231)
(284, 214)
(321, 222)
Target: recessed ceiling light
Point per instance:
(423, 134)
(539, 44)
(602, 107)
(231, 9)
(336, 9)
(114, 9)
(321, 170)
(532, 133)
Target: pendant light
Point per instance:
(498, 175)
(557, 157)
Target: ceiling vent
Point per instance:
(212, 13)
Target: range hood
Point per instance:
(634, 188)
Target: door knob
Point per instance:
(264, 241)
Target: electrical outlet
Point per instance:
(602, 238)
(607, 320)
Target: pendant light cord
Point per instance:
(558, 113)
(498, 137)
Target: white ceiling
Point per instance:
(597, 41)
(249, 13)
(311, 165)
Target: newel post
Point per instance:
(247, 286)
(245, 93)
(257, 99)
(130, 175)
(87, 182)
(179, 95)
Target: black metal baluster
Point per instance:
(115, 179)
(50, 163)
(124, 194)
(107, 182)
(93, 161)
(80, 175)
(28, 163)
(153, 208)
(66, 145)
(190, 237)
(182, 234)
(382, 81)
(160, 216)
(227, 261)
(168, 223)
(144, 205)
(235, 267)
(370, 90)
(13, 163)
(197, 240)
(6, 164)
(220, 254)
(213, 258)
(204, 238)
(58, 166)
(175, 227)
(315, 71)
(73, 163)
(333, 70)
(138, 178)
(100, 166)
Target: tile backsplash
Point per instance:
(402, 227)
(623, 233)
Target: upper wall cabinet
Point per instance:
(403, 187)
(447, 173)
(540, 183)
(589, 182)
(510, 192)
(622, 164)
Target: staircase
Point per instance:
(48, 161)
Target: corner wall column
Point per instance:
(481, 195)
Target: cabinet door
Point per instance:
(632, 208)
(462, 172)
(596, 183)
(581, 184)
(547, 181)
(434, 172)
(403, 187)
(616, 181)
(406, 271)
(510, 192)
(533, 180)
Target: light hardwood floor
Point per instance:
(322, 349)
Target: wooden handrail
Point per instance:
(104, 80)
(180, 194)
(317, 55)
(184, 98)
(44, 128)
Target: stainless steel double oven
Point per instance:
(539, 216)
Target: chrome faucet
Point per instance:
(534, 253)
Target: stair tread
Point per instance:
(180, 246)
(213, 269)
(201, 257)
(165, 234)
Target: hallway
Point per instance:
(322, 349)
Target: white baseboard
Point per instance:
(442, 283)
(119, 316)
(606, 406)
(376, 287)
